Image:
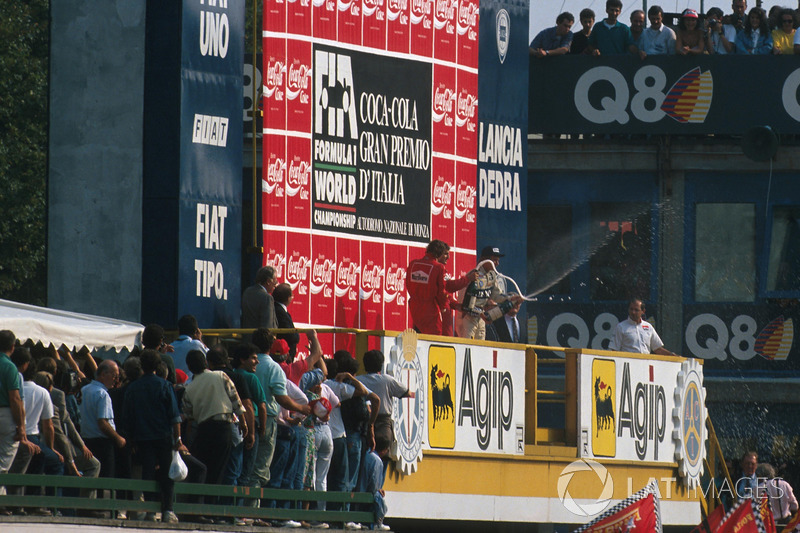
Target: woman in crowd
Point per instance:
(783, 35)
(689, 37)
(755, 38)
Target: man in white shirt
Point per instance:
(657, 39)
(721, 38)
(636, 335)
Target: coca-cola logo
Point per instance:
(371, 276)
(298, 177)
(443, 98)
(442, 195)
(274, 78)
(395, 286)
(322, 275)
(347, 278)
(466, 104)
(420, 9)
(298, 79)
(395, 8)
(296, 269)
(467, 16)
(444, 13)
(465, 199)
(276, 261)
(275, 169)
(370, 6)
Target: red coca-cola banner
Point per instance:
(369, 151)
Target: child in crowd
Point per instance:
(372, 477)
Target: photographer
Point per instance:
(720, 38)
(737, 18)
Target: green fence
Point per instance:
(192, 499)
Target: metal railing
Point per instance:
(192, 499)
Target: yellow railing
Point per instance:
(716, 470)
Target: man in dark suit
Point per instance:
(257, 303)
(508, 326)
(283, 297)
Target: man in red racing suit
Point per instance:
(426, 289)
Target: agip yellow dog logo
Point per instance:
(604, 379)
(441, 387)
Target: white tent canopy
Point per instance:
(75, 330)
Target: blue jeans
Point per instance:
(300, 460)
(233, 469)
(281, 471)
(338, 472)
(355, 453)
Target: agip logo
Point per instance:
(604, 441)
(441, 396)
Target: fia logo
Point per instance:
(502, 33)
(334, 97)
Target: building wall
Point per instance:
(95, 174)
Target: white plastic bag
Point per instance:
(178, 469)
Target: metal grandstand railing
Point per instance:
(193, 500)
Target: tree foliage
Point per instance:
(24, 50)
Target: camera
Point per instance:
(712, 23)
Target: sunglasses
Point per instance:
(788, 21)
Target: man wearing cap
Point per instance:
(488, 286)
(426, 289)
(294, 370)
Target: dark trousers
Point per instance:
(152, 454)
(212, 446)
(103, 449)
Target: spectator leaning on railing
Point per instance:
(611, 36)
(580, 39)
(720, 38)
(554, 41)
(658, 39)
(784, 35)
(755, 38)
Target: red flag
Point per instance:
(766, 514)
(638, 514)
(793, 524)
(712, 521)
(743, 518)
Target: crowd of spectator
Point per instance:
(752, 32)
(257, 418)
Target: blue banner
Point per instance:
(191, 256)
(211, 161)
(503, 133)
(685, 95)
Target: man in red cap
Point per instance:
(295, 369)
